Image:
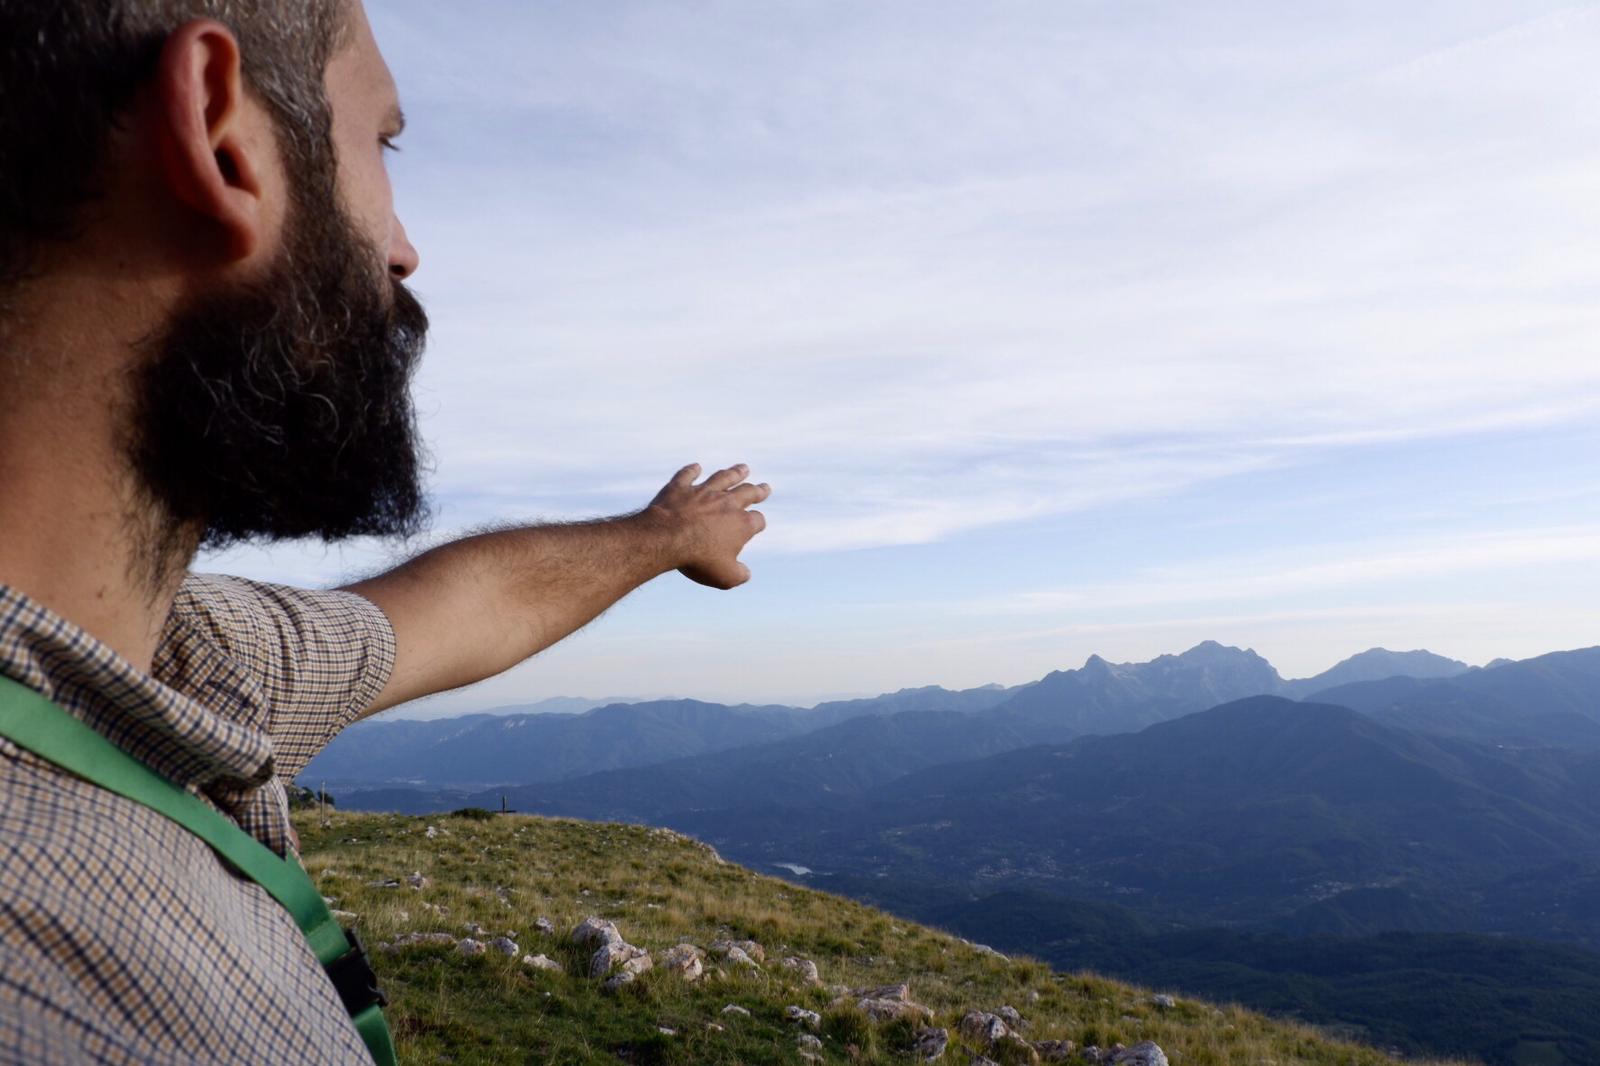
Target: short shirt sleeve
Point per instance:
(321, 656)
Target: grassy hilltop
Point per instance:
(502, 874)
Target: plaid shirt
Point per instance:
(122, 937)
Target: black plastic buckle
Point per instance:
(353, 978)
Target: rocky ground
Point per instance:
(506, 939)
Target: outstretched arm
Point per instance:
(471, 608)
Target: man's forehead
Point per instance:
(359, 67)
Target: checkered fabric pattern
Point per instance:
(123, 939)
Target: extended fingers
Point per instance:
(685, 477)
(746, 495)
(727, 479)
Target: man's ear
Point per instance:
(209, 158)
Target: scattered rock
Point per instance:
(1165, 1002)
(592, 932)
(434, 908)
(1055, 1050)
(980, 1060)
(888, 1010)
(664, 1031)
(1010, 1016)
(715, 1028)
(505, 946)
(746, 947)
(805, 968)
(470, 946)
(540, 962)
(431, 832)
(990, 1030)
(383, 884)
(683, 960)
(1020, 1050)
(345, 916)
(928, 1044)
(807, 1042)
(544, 926)
(981, 1027)
(985, 949)
(1144, 1053)
(734, 1008)
(473, 929)
(885, 1003)
(406, 940)
(616, 981)
(618, 953)
(739, 956)
(801, 1016)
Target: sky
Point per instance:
(1058, 328)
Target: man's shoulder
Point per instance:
(102, 894)
(222, 610)
(245, 616)
(301, 663)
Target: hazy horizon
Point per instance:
(1058, 329)
(476, 700)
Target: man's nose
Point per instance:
(403, 258)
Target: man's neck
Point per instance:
(75, 534)
(77, 554)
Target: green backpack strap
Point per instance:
(37, 724)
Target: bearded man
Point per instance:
(205, 339)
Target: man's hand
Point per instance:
(707, 525)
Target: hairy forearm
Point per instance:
(555, 579)
(498, 597)
(469, 609)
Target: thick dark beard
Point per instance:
(282, 409)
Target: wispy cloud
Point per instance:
(1296, 574)
(918, 267)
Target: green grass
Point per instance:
(504, 872)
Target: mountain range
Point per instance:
(497, 748)
(1464, 798)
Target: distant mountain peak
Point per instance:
(1379, 664)
(1214, 651)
